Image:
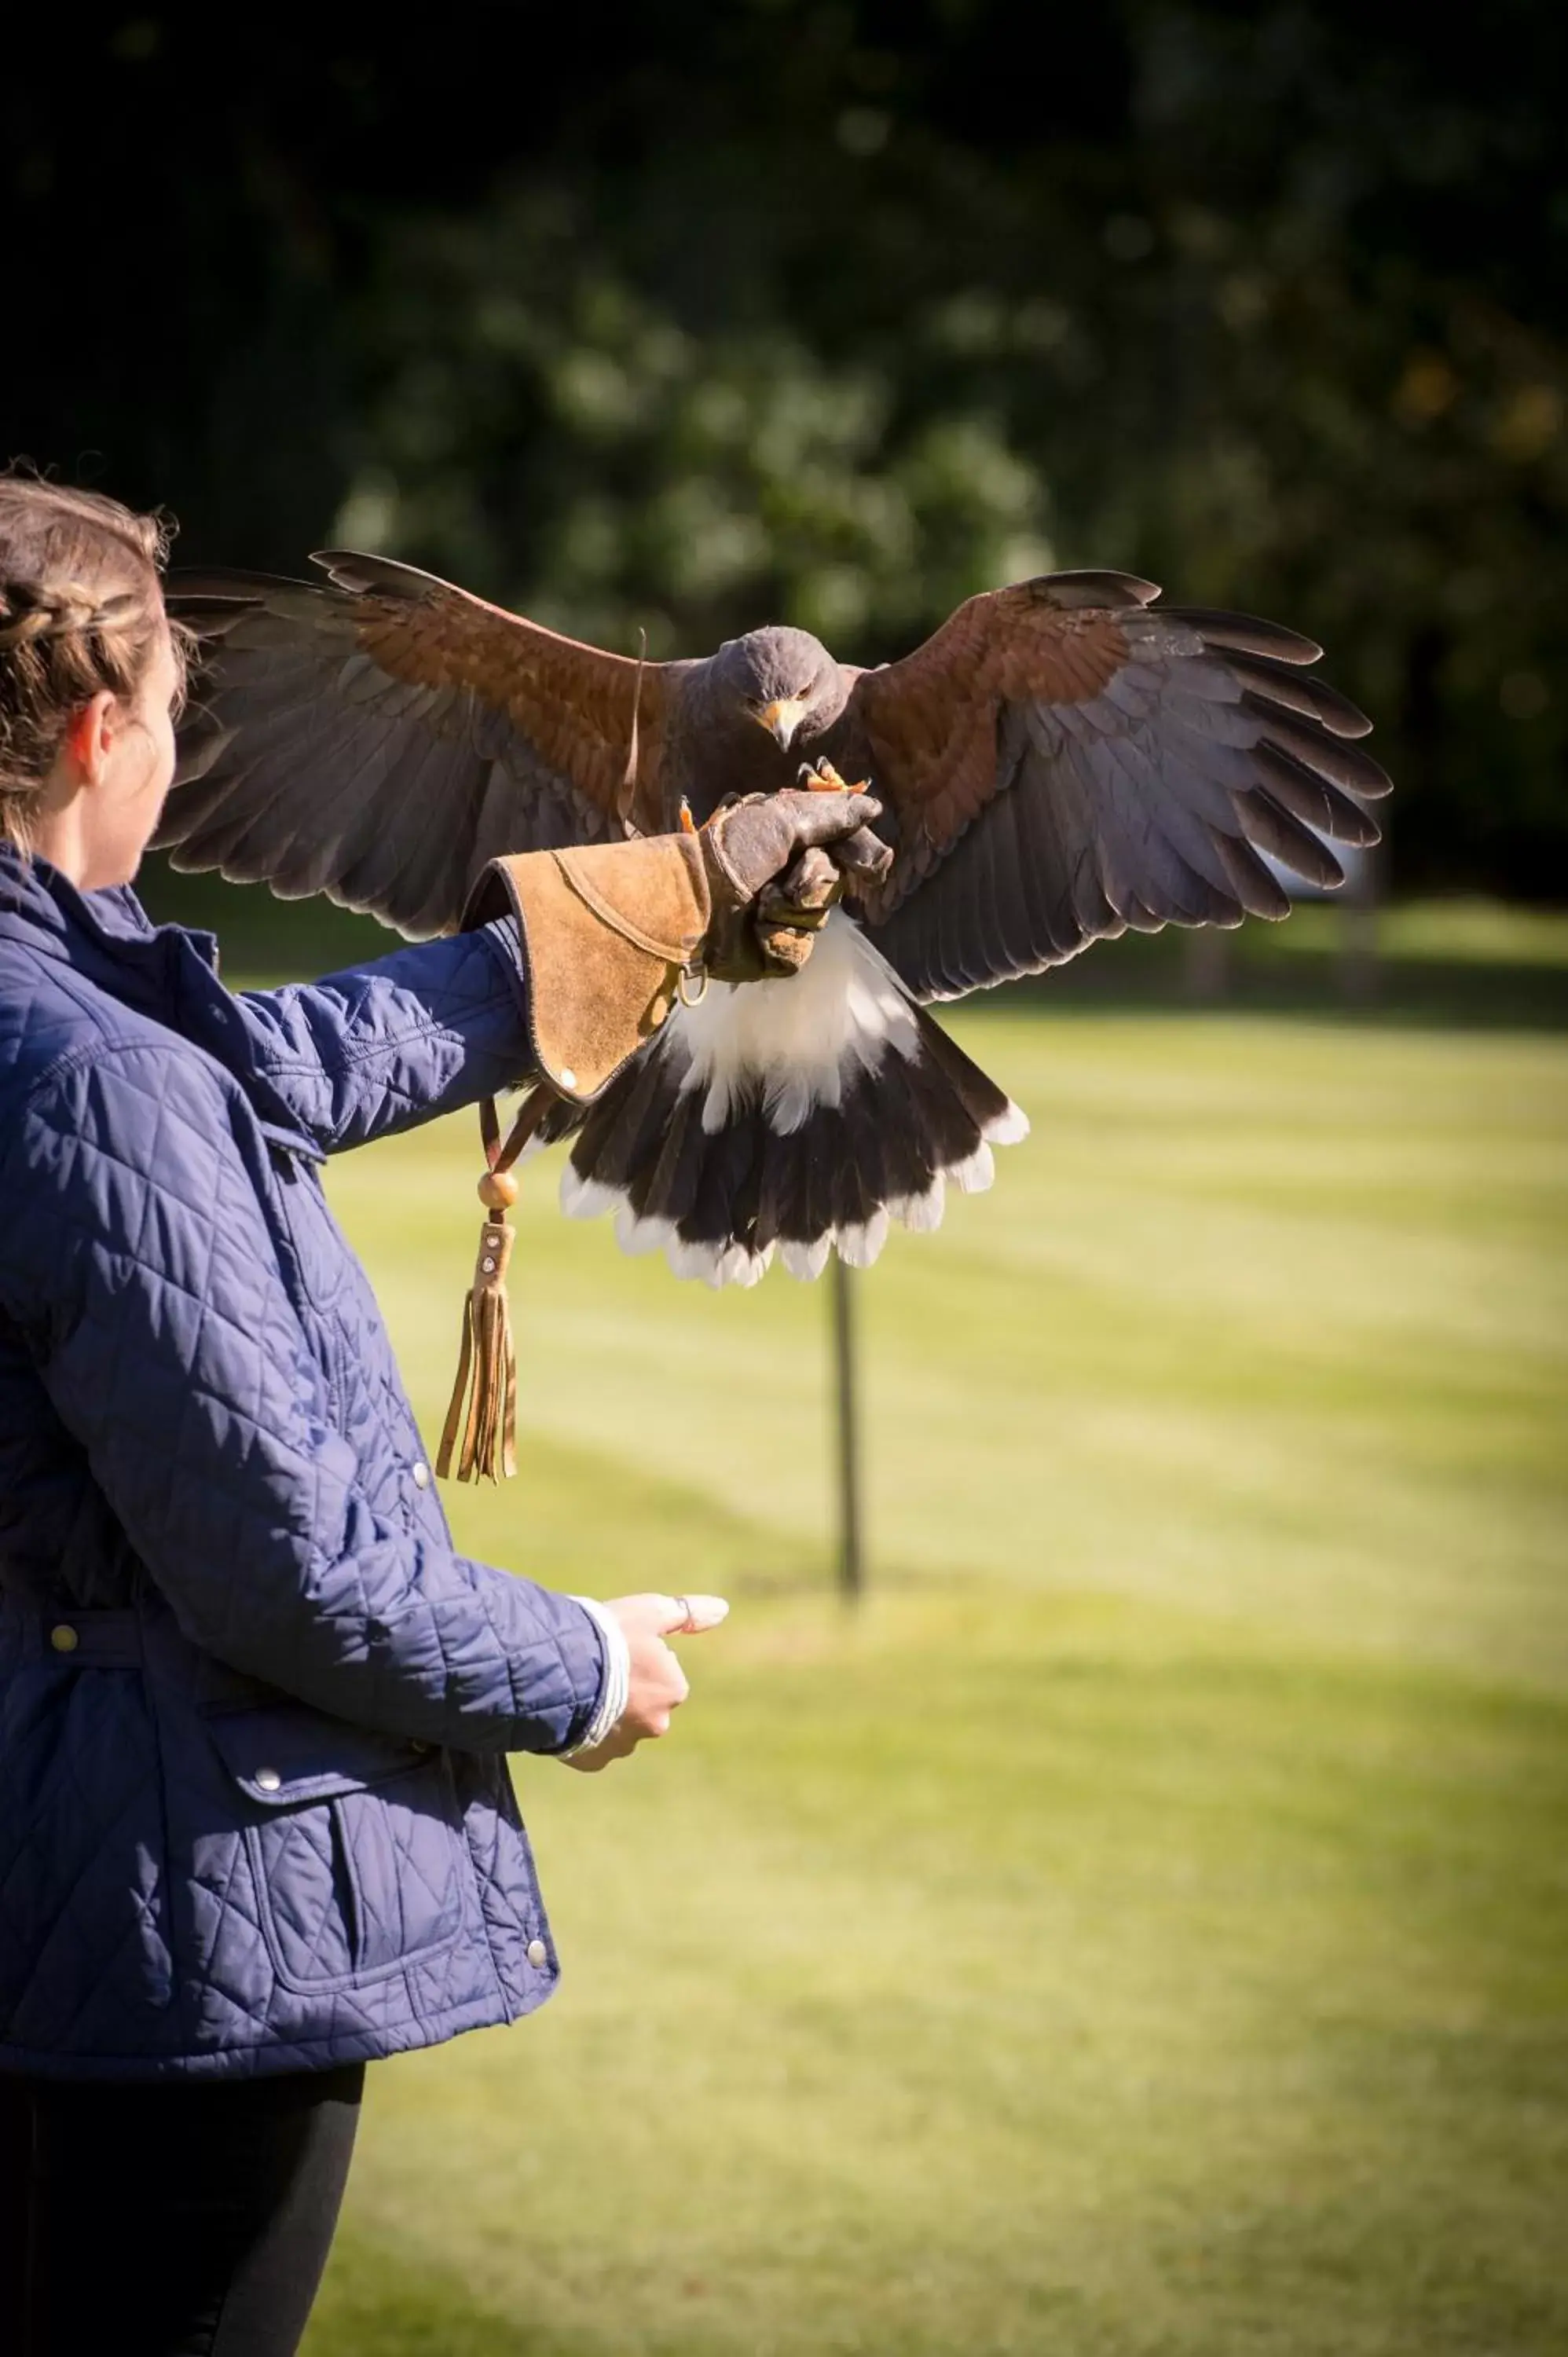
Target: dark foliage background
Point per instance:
(691, 315)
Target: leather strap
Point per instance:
(537, 1100)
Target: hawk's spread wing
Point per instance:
(1063, 760)
(379, 736)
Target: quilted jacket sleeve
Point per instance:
(385, 1046)
(136, 1257)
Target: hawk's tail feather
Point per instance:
(787, 1120)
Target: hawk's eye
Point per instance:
(803, 694)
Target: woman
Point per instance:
(257, 1827)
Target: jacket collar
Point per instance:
(167, 971)
(108, 932)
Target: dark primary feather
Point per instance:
(1065, 759)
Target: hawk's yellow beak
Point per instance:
(782, 718)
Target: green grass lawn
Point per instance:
(1144, 1926)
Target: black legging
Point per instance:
(170, 2220)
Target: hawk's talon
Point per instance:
(822, 778)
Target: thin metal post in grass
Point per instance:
(1358, 912)
(851, 1561)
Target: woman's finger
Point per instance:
(688, 1615)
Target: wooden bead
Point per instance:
(497, 1189)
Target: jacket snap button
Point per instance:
(421, 1475)
(268, 1778)
(538, 1954)
(64, 1639)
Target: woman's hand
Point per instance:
(657, 1684)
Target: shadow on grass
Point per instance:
(1299, 969)
(685, 1536)
(376, 2303)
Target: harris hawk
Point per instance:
(1061, 760)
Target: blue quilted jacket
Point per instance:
(254, 1708)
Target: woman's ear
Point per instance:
(91, 735)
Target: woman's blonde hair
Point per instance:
(82, 610)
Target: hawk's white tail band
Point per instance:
(787, 1119)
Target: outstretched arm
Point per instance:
(385, 1046)
(570, 967)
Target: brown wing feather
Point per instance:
(379, 737)
(574, 702)
(1062, 761)
(930, 721)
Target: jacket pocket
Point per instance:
(355, 1841)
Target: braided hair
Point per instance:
(81, 611)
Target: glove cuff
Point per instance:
(605, 928)
(728, 890)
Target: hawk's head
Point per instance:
(784, 680)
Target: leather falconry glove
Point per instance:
(611, 930)
(794, 907)
(773, 853)
(795, 904)
(611, 933)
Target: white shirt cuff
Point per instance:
(617, 1687)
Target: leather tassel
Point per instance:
(487, 1357)
(489, 1431)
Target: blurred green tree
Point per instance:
(839, 312)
